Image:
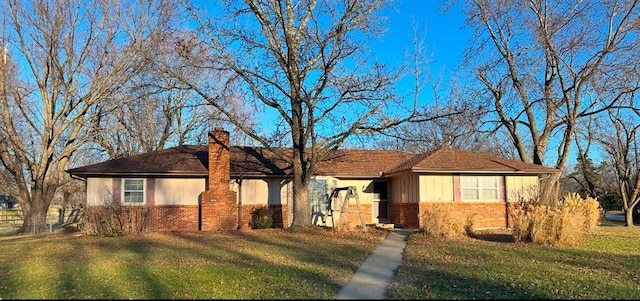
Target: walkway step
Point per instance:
(371, 279)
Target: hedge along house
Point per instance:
(217, 186)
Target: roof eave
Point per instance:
(135, 174)
(355, 176)
(484, 171)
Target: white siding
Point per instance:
(272, 191)
(175, 191)
(254, 192)
(99, 191)
(436, 188)
(521, 187)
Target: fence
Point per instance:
(11, 219)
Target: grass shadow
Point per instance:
(493, 235)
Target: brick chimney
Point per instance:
(219, 208)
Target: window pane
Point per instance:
(469, 194)
(489, 194)
(133, 197)
(469, 182)
(133, 192)
(133, 184)
(489, 182)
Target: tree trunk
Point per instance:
(35, 214)
(301, 207)
(550, 190)
(628, 217)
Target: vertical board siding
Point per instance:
(436, 188)
(521, 187)
(175, 191)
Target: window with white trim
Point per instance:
(133, 192)
(479, 188)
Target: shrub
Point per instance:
(611, 201)
(262, 218)
(562, 225)
(442, 221)
(115, 220)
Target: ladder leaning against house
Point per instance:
(351, 193)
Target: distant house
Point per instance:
(203, 188)
(8, 202)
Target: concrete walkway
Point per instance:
(371, 279)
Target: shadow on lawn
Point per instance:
(501, 235)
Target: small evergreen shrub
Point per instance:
(442, 221)
(262, 218)
(611, 201)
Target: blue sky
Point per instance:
(446, 37)
(445, 42)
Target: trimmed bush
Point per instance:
(442, 221)
(262, 218)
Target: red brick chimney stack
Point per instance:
(219, 159)
(219, 207)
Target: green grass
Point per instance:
(257, 264)
(314, 264)
(605, 266)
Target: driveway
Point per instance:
(614, 215)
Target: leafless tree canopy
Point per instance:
(547, 65)
(622, 148)
(62, 59)
(307, 65)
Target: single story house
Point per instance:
(217, 186)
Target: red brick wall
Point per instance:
(132, 219)
(280, 216)
(405, 214)
(354, 217)
(482, 214)
(173, 218)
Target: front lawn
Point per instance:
(605, 266)
(314, 264)
(254, 264)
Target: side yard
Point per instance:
(491, 266)
(11, 219)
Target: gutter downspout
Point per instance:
(240, 224)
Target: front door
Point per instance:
(380, 202)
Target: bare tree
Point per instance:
(153, 110)
(68, 56)
(306, 65)
(623, 149)
(547, 65)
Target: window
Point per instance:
(477, 188)
(133, 192)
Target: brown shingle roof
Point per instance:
(191, 160)
(182, 160)
(447, 159)
(357, 162)
(187, 160)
